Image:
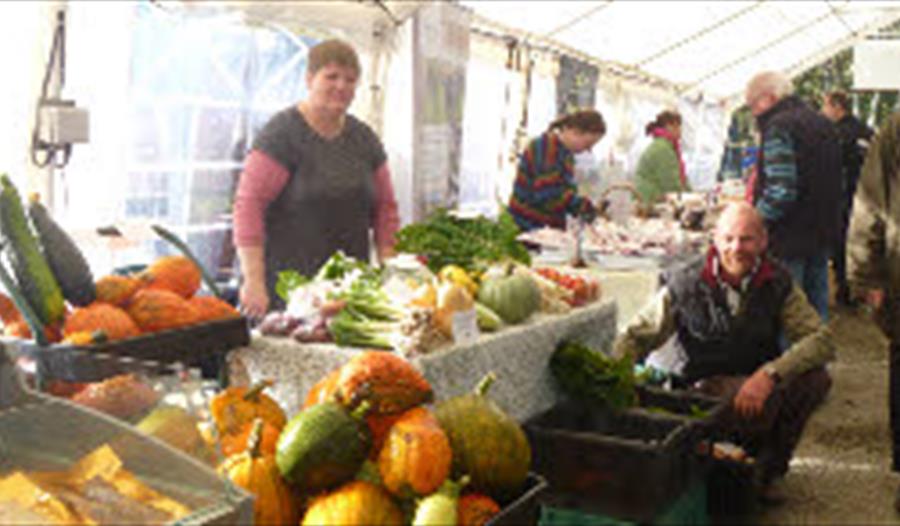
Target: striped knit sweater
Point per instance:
(544, 190)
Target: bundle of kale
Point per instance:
(471, 243)
(592, 376)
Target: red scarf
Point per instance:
(661, 131)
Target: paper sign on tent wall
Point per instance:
(876, 65)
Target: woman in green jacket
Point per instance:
(660, 169)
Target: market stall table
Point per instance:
(517, 354)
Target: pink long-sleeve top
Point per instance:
(263, 180)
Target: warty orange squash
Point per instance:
(210, 308)
(112, 320)
(117, 290)
(415, 459)
(159, 310)
(177, 274)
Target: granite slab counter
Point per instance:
(518, 355)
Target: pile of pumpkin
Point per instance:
(367, 449)
(161, 297)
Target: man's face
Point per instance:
(832, 111)
(740, 241)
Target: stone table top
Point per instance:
(517, 354)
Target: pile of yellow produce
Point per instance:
(95, 490)
(370, 448)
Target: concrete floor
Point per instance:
(841, 470)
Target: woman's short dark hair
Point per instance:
(662, 120)
(589, 121)
(332, 51)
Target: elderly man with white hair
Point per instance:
(728, 310)
(798, 187)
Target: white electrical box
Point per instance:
(63, 123)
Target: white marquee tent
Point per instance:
(693, 56)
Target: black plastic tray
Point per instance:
(525, 509)
(92, 363)
(627, 464)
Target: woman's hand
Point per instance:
(254, 300)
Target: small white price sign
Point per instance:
(465, 326)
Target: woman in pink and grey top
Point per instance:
(316, 181)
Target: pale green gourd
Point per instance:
(441, 507)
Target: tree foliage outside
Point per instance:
(836, 73)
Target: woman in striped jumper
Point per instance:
(544, 191)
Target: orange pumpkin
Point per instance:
(257, 473)
(388, 382)
(476, 509)
(379, 425)
(356, 502)
(177, 274)
(323, 390)
(416, 456)
(237, 443)
(236, 406)
(8, 312)
(160, 310)
(112, 320)
(209, 308)
(117, 290)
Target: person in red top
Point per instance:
(316, 181)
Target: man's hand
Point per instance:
(752, 396)
(874, 298)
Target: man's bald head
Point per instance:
(740, 238)
(743, 212)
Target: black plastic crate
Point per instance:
(628, 464)
(701, 413)
(525, 509)
(188, 345)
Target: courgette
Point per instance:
(28, 314)
(186, 251)
(31, 271)
(65, 259)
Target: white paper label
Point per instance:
(465, 326)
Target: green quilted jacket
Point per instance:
(657, 171)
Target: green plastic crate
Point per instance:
(689, 509)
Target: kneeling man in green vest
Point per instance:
(749, 335)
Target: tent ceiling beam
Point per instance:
(580, 18)
(697, 35)
(756, 51)
(837, 14)
(387, 11)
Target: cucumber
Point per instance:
(28, 314)
(186, 251)
(31, 271)
(65, 259)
